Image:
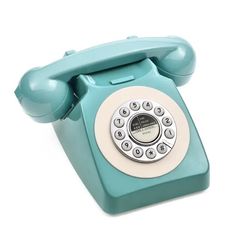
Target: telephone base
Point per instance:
(121, 120)
(117, 192)
(131, 185)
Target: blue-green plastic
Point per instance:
(115, 191)
(46, 95)
(70, 92)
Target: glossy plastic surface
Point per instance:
(46, 95)
(70, 92)
(115, 191)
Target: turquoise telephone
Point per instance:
(121, 120)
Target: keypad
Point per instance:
(119, 122)
(120, 134)
(147, 105)
(138, 152)
(167, 121)
(126, 145)
(134, 106)
(151, 153)
(143, 130)
(169, 133)
(124, 111)
(159, 111)
(162, 148)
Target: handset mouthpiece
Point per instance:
(43, 99)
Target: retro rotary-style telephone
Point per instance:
(121, 121)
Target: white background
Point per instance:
(40, 193)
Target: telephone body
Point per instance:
(122, 123)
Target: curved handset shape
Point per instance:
(46, 95)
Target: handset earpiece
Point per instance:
(46, 95)
(179, 64)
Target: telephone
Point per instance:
(122, 123)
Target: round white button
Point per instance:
(169, 133)
(150, 153)
(138, 152)
(167, 121)
(119, 122)
(126, 145)
(124, 111)
(161, 148)
(147, 105)
(159, 111)
(120, 134)
(134, 106)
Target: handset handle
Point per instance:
(46, 95)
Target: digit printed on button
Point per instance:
(134, 106)
(119, 122)
(167, 121)
(124, 111)
(147, 105)
(169, 133)
(120, 134)
(161, 148)
(159, 111)
(138, 152)
(126, 145)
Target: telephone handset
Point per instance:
(121, 121)
(45, 93)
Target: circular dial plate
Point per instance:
(143, 130)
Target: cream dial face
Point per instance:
(140, 154)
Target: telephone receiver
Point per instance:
(46, 94)
(124, 126)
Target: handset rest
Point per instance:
(46, 95)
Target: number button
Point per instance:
(120, 134)
(150, 153)
(119, 122)
(169, 133)
(134, 106)
(161, 148)
(147, 105)
(159, 111)
(138, 152)
(167, 121)
(126, 145)
(124, 111)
